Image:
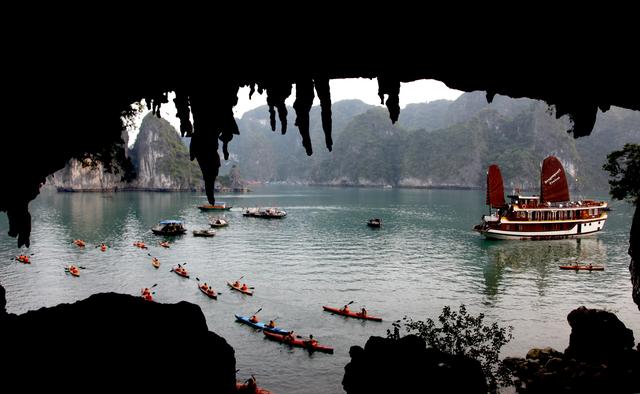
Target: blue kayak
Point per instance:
(261, 326)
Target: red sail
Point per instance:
(554, 186)
(495, 189)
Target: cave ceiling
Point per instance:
(67, 101)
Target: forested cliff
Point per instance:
(452, 145)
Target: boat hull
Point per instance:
(574, 230)
(214, 208)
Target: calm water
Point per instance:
(424, 257)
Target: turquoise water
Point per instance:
(424, 257)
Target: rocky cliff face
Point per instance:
(73, 177)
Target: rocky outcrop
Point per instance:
(600, 359)
(407, 366)
(114, 342)
(76, 178)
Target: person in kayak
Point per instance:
(205, 287)
(155, 261)
(271, 324)
(363, 312)
(253, 319)
(345, 309)
(244, 287)
(146, 291)
(310, 341)
(237, 284)
(103, 247)
(289, 337)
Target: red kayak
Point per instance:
(147, 296)
(241, 387)
(298, 342)
(165, 244)
(573, 267)
(181, 272)
(23, 259)
(359, 315)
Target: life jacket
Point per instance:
(244, 287)
(254, 319)
(346, 309)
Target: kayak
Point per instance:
(181, 273)
(146, 297)
(143, 246)
(573, 267)
(23, 259)
(155, 263)
(78, 242)
(240, 289)
(352, 314)
(241, 387)
(74, 271)
(298, 342)
(165, 244)
(103, 247)
(211, 293)
(274, 330)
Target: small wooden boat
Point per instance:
(208, 291)
(218, 223)
(359, 315)
(204, 233)
(180, 271)
(298, 342)
(576, 267)
(169, 227)
(239, 288)
(219, 206)
(374, 222)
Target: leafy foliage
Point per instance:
(624, 167)
(464, 335)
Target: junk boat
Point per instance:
(551, 215)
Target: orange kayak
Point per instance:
(23, 259)
(239, 288)
(573, 267)
(78, 242)
(73, 271)
(351, 314)
(155, 263)
(143, 246)
(297, 342)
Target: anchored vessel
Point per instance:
(551, 215)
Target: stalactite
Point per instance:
(324, 94)
(277, 93)
(183, 112)
(302, 106)
(390, 87)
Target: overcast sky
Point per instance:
(341, 89)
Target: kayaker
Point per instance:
(205, 287)
(26, 259)
(289, 336)
(363, 312)
(244, 287)
(237, 284)
(146, 291)
(155, 261)
(310, 341)
(254, 319)
(345, 309)
(21, 258)
(210, 291)
(271, 324)
(103, 247)
(142, 245)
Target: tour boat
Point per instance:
(219, 206)
(169, 227)
(551, 215)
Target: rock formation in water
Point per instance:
(114, 343)
(600, 359)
